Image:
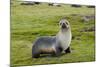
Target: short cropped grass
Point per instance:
(31, 21)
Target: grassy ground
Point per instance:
(29, 22)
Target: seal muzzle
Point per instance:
(64, 25)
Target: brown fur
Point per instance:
(47, 50)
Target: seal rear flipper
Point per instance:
(35, 55)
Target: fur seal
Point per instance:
(54, 44)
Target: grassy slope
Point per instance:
(29, 22)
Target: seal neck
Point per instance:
(64, 32)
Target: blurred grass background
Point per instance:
(31, 21)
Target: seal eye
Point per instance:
(66, 23)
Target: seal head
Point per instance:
(64, 24)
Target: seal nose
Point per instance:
(63, 25)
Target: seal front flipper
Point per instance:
(68, 50)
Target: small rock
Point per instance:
(27, 3)
(87, 18)
(54, 4)
(75, 5)
(37, 3)
(91, 6)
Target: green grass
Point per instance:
(30, 22)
